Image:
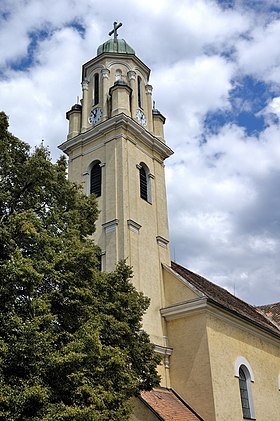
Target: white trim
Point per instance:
(133, 226)
(110, 226)
(242, 361)
(187, 308)
(163, 242)
(166, 352)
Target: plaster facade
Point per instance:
(207, 342)
(128, 227)
(227, 341)
(142, 412)
(199, 342)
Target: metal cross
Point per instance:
(114, 31)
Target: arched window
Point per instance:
(145, 182)
(245, 376)
(139, 86)
(96, 89)
(244, 393)
(95, 179)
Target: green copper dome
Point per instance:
(115, 46)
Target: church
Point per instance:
(220, 355)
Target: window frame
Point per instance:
(242, 364)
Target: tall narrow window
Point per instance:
(244, 394)
(96, 89)
(143, 184)
(139, 86)
(95, 179)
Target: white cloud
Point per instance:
(222, 186)
(259, 55)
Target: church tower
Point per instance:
(116, 150)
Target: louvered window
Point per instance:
(143, 184)
(95, 180)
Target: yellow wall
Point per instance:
(206, 346)
(226, 343)
(175, 291)
(141, 412)
(190, 372)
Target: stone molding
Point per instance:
(110, 226)
(133, 226)
(126, 123)
(163, 242)
(166, 352)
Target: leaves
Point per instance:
(71, 339)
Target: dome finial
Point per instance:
(114, 31)
(115, 45)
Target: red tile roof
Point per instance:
(225, 299)
(168, 406)
(272, 311)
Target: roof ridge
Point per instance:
(269, 305)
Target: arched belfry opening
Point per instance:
(145, 182)
(96, 179)
(96, 89)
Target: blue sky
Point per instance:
(216, 77)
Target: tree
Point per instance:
(71, 343)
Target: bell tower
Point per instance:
(116, 150)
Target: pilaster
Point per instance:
(85, 110)
(149, 91)
(132, 81)
(105, 73)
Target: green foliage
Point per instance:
(71, 343)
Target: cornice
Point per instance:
(205, 305)
(125, 123)
(165, 352)
(186, 308)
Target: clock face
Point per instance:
(140, 116)
(95, 115)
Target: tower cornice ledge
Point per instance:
(113, 124)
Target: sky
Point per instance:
(216, 78)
